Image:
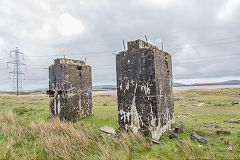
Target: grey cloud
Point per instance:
(106, 23)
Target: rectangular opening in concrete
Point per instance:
(50, 92)
(60, 92)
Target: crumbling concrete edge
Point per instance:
(158, 132)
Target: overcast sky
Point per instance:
(201, 35)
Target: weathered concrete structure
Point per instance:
(144, 89)
(70, 89)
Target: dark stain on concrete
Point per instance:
(70, 89)
(144, 89)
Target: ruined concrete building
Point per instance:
(144, 89)
(70, 89)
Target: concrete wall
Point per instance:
(144, 89)
(70, 89)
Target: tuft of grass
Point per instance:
(21, 110)
(54, 139)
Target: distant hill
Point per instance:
(105, 86)
(177, 84)
(217, 83)
(232, 81)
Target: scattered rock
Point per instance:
(206, 149)
(194, 136)
(209, 124)
(217, 126)
(176, 99)
(201, 104)
(171, 136)
(223, 132)
(229, 145)
(179, 116)
(180, 142)
(157, 143)
(232, 121)
(170, 130)
(222, 138)
(234, 102)
(236, 95)
(193, 100)
(200, 145)
(179, 128)
(212, 144)
(185, 115)
(107, 129)
(193, 115)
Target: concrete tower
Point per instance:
(144, 89)
(70, 89)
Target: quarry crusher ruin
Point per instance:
(144, 89)
(70, 89)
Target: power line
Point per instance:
(180, 61)
(17, 72)
(197, 46)
(168, 46)
(206, 41)
(84, 53)
(185, 61)
(178, 77)
(219, 56)
(215, 56)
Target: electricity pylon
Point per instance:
(17, 73)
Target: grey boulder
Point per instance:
(198, 138)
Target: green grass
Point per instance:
(17, 140)
(102, 116)
(210, 84)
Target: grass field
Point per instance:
(27, 132)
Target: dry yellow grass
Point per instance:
(62, 140)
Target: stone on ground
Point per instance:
(229, 145)
(232, 121)
(223, 132)
(108, 130)
(201, 104)
(198, 138)
(179, 128)
(171, 136)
